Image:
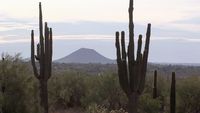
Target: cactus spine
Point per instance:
(44, 57)
(155, 94)
(173, 94)
(131, 70)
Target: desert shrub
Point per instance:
(98, 93)
(16, 83)
(163, 90)
(110, 90)
(149, 105)
(66, 90)
(92, 95)
(104, 90)
(72, 89)
(188, 91)
(94, 108)
(163, 85)
(118, 111)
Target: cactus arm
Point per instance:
(123, 46)
(145, 59)
(119, 60)
(40, 20)
(46, 42)
(146, 48)
(37, 57)
(51, 43)
(117, 44)
(51, 49)
(121, 72)
(139, 48)
(138, 64)
(42, 54)
(41, 31)
(33, 55)
(124, 64)
(50, 53)
(148, 35)
(46, 56)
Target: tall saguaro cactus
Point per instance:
(131, 70)
(173, 94)
(44, 57)
(155, 94)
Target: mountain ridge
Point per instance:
(85, 56)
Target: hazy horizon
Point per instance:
(92, 24)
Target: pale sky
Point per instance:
(173, 21)
(154, 11)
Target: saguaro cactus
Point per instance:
(173, 94)
(44, 57)
(3, 85)
(132, 71)
(155, 94)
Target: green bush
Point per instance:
(188, 93)
(16, 81)
(66, 90)
(104, 90)
(73, 89)
(149, 105)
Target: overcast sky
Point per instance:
(92, 24)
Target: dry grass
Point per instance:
(68, 111)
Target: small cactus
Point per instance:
(155, 94)
(173, 94)
(3, 87)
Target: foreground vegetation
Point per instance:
(82, 92)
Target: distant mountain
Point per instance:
(85, 56)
